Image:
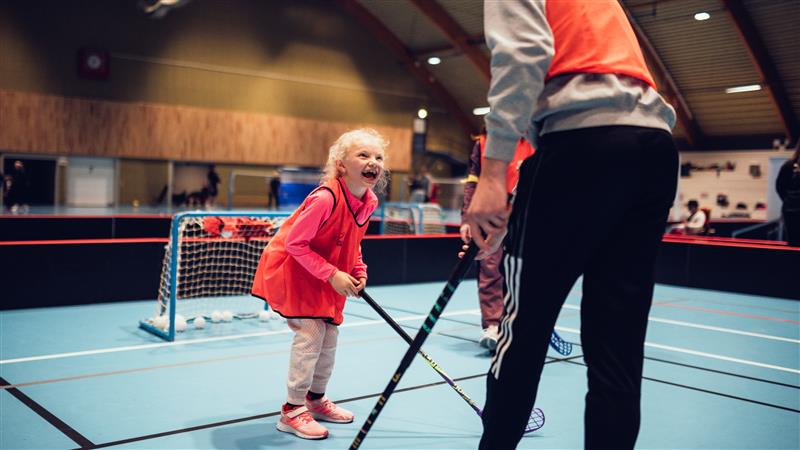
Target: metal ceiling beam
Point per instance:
(770, 79)
(668, 86)
(382, 33)
(455, 34)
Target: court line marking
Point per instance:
(277, 413)
(728, 313)
(717, 302)
(703, 354)
(705, 391)
(708, 327)
(695, 352)
(646, 357)
(210, 339)
(48, 416)
(194, 362)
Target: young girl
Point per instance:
(312, 264)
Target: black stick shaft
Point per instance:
(397, 328)
(449, 288)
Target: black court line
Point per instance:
(691, 366)
(721, 372)
(417, 313)
(758, 402)
(277, 413)
(415, 328)
(707, 391)
(550, 359)
(48, 416)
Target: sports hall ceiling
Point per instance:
(742, 43)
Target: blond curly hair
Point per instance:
(353, 139)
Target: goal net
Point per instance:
(411, 218)
(208, 270)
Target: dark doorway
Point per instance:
(36, 178)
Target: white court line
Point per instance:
(213, 339)
(696, 353)
(703, 354)
(709, 327)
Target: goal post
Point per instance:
(208, 268)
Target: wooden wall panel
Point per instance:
(37, 123)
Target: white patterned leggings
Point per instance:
(312, 357)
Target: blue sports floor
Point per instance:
(722, 371)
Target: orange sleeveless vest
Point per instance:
(523, 151)
(594, 37)
(288, 287)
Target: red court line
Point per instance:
(407, 236)
(723, 239)
(87, 241)
(743, 305)
(86, 216)
(164, 240)
(728, 313)
(731, 244)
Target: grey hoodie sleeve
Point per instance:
(521, 43)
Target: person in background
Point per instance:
(592, 201)
(419, 187)
(312, 265)
(788, 186)
(490, 280)
(16, 188)
(5, 187)
(212, 186)
(274, 192)
(426, 183)
(695, 224)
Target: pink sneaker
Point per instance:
(299, 422)
(327, 411)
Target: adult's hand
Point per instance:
(488, 211)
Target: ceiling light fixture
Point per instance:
(746, 88)
(702, 16)
(422, 113)
(434, 60)
(482, 111)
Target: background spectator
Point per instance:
(788, 187)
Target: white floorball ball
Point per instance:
(200, 322)
(227, 316)
(161, 322)
(264, 316)
(180, 323)
(216, 316)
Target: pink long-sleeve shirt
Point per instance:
(318, 209)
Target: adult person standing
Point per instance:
(17, 187)
(592, 201)
(274, 200)
(490, 280)
(788, 186)
(212, 186)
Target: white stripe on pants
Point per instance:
(312, 358)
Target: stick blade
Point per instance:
(560, 345)
(536, 421)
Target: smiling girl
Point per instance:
(309, 268)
